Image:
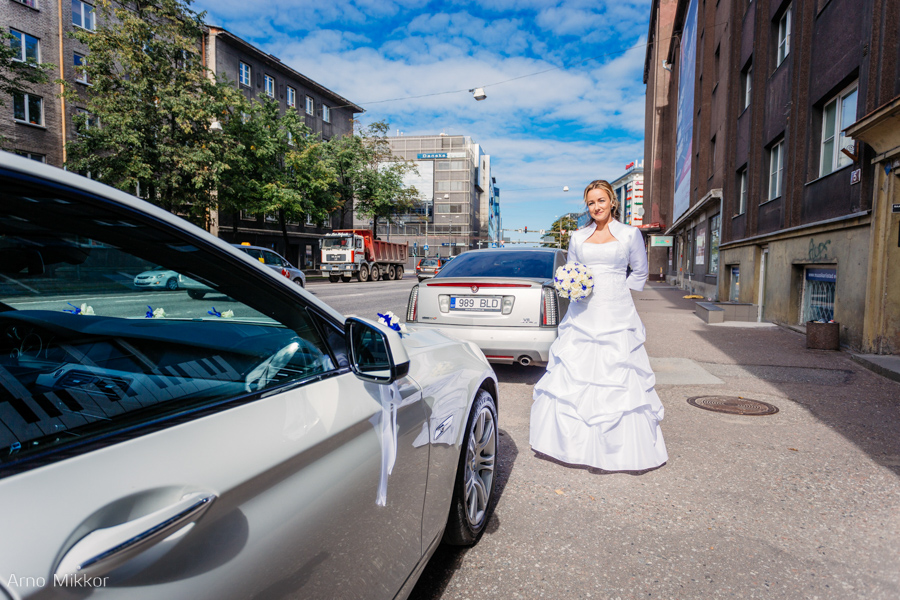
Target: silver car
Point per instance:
(256, 446)
(501, 299)
(274, 261)
(157, 278)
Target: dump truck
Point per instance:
(348, 253)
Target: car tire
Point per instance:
(389, 273)
(172, 284)
(334, 278)
(476, 475)
(196, 294)
(363, 273)
(299, 282)
(345, 278)
(399, 273)
(375, 274)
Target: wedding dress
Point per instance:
(596, 404)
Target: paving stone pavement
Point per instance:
(803, 504)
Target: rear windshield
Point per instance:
(431, 262)
(504, 263)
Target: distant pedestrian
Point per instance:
(596, 404)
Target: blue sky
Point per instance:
(582, 119)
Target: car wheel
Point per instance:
(298, 281)
(363, 273)
(172, 284)
(196, 295)
(391, 273)
(375, 274)
(473, 491)
(334, 278)
(345, 278)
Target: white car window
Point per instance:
(84, 355)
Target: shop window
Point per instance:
(734, 283)
(700, 246)
(714, 225)
(818, 294)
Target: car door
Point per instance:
(171, 455)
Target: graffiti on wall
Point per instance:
(818, 252)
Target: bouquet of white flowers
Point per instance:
(574, 281)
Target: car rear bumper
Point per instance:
(502, 345)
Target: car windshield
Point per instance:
(337, 243)
(505, 263)
(81, 348)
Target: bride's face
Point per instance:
(599, 204)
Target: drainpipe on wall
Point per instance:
(62, 76)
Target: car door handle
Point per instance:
(103, 550)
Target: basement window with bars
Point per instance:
(818, 294)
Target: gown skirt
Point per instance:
(596, 405)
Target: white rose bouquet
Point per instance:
(574, 281)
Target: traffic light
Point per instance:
(526, 229)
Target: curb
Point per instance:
(886, 365)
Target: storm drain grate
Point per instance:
(733, 405)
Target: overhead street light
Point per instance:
(478, 93)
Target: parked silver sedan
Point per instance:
(156, 278)
(501, 299)
(262, 446)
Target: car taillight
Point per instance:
(413, 304)
(549, 308)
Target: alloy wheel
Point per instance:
(480, 459)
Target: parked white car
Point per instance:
(258, 446)
(503, 300)
(157, 278)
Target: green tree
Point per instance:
(566, 224)
(345, 156)
(379, 192)
(151, 106)
(281, 169)
(17, 75)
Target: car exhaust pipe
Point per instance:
(524, 360)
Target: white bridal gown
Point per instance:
(596, 404)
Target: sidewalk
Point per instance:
(800, 504)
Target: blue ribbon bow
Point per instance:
(74, 310)
(214, 312)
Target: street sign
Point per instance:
(661, 240)
(445, 243)
(426, 247)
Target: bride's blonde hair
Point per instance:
(606, 187)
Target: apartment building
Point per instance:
(750, 106)
(259, 76)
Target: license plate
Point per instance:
(475, 303)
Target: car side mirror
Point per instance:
(376, 352)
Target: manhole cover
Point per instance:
(733, 405)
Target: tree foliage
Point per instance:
(565, 223)
(379, 190)
(151, 105)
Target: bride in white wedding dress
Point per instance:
(596, 404)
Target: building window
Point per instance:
(31, 3)
(712, 156)
(28, 108)
(818, 294)
(746, 86)
(309, 220)
(90, 121)
(838, 114)
(784, 35)
(716, 64)
(291, 97)
(776, 169)
(290, 138)
(245, 74)
(326, 114)
(27, 48)
(715, 224)
(80, 63)
(32, 156)
(310, 106)
(742, 197)
(82, 15)
(270, 86)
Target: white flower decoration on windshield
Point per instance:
(155, 313)
(83, 310)
(393, 321)
(574, 281)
